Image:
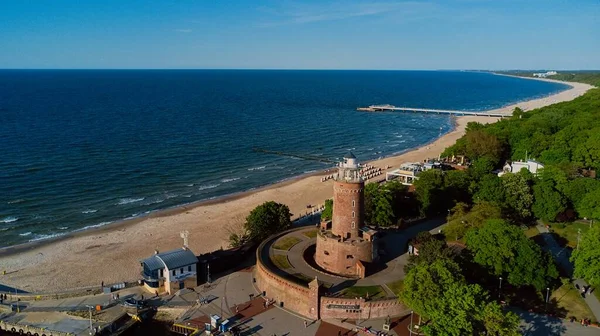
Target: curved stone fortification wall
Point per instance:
(301, 299)
(305, 299)
(340, 257)
(360, 309)
(348, 205)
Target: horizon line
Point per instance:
(290, 69)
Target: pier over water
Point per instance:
(392, 108)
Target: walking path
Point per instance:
(561, 255)
(542, 325)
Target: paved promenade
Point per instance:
(562, 255)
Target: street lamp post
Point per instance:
(411, 322)
(207, 273)
(547, 297)
(91, 326)
(499, 288)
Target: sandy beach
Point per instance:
(112, 253)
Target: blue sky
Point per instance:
(459, 34)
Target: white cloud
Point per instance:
(294, 13)
(183, 30)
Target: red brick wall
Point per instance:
(295, 297)
(343, 195)
(336, 259)
(367, 309)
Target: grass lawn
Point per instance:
(396, 286)
(375, 292)
(568, 298)
(286, 243)
(303, 277)
(531, 232)
(597, 294)
(568, 232)
(281, 261)
(310, 234)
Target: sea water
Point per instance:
(85, 148)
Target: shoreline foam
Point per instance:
(124, 243)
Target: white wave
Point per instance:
(309, 171)
(88, 211)
(63, 228)
(190, 185)
(172, 195)
(9, 219)
(16, 201)
(210, 186)
(257, 168)
(44, 237)
(92, 226)
(156, 201)
(399, 136)
(130, 200)
(25, 234)
(230, 179)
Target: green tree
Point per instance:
(549, 203)
(327, 211)
(480, 168)
(267, 219)
(378, 205)
(456, 186)
(482, 144)
(461, 221)
(430, 250)
(490, 189)
(589, 206)
(426, 282)
(578, 188)
(588, 152)
(519, 196)
(496, 322)
(456, 310)
(505, 250)
(429, 189)
(518, 113)
(586, 258)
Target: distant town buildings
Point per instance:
(545, 74)
(170, 271)
(516, 166)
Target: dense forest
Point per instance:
(456, 291)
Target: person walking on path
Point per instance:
(305, 324)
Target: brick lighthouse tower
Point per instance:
(345, 244)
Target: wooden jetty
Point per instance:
(392, 108)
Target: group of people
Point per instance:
(2, 298)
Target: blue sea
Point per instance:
(85, 148)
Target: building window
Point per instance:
(181, 270)
(326, 253)
(353, 214)
(161, 273)
(349, 256)
(174, 271)
(189, 268)
(353, 225)
(353, 203)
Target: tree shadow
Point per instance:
(540, 325)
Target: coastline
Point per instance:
(64, 262)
